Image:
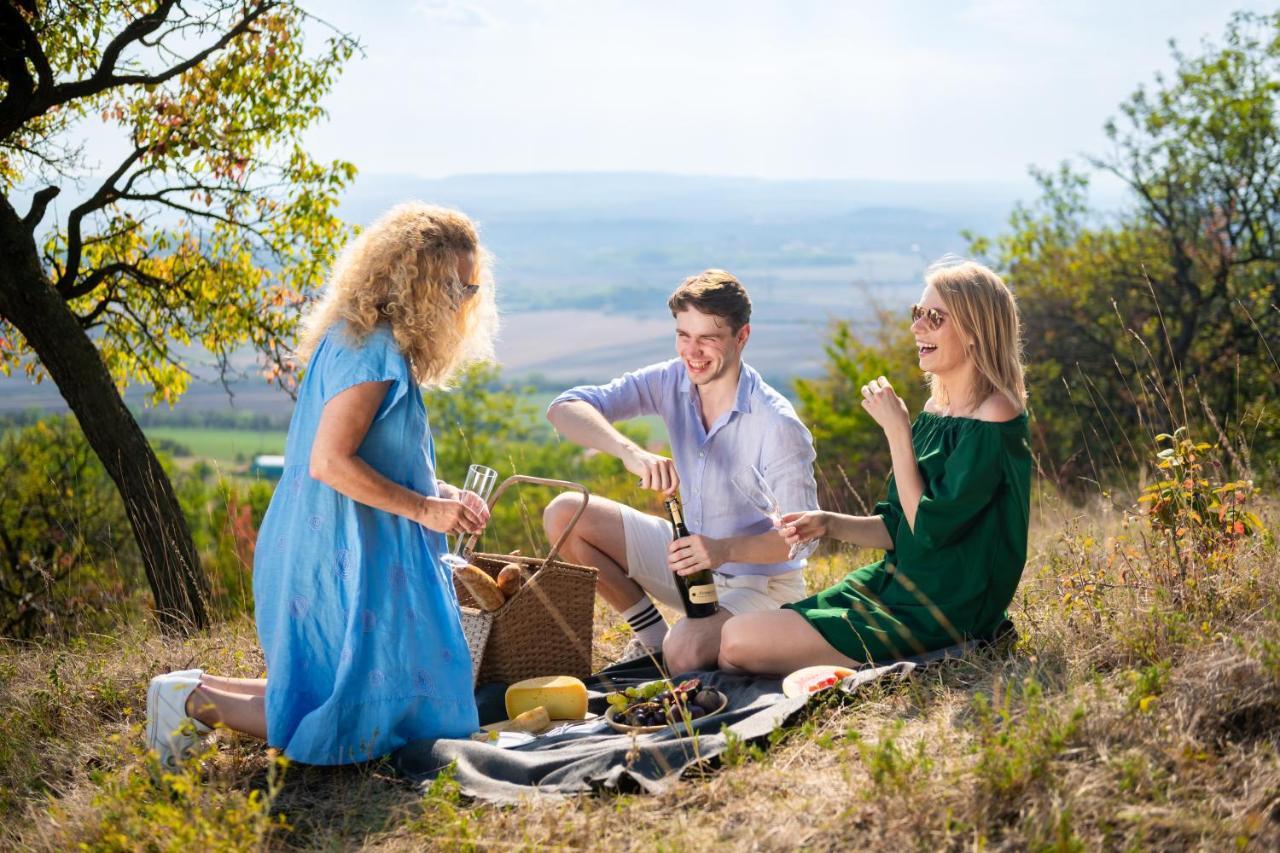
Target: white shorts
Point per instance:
(647, 537)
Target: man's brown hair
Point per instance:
(714, 292)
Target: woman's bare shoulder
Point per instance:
(997, 408)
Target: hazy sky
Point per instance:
(895, 90)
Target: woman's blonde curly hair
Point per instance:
(403, 270)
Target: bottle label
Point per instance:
(704, 594)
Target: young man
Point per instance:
(721, 418)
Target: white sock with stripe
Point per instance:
(647, 623)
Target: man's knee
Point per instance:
(558, 513)
(600, 525)
(685, 650)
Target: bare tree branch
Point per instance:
(106, 78)
(39, 203)
(106, 193)
(136, 30)
(18, 43)
(92, 281)
(24, 101)
(158, 196)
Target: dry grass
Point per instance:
(1131, 713)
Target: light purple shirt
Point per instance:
(761, 429)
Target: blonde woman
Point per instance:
(357, 618)
(954, 523)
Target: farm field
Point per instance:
(227, 448)
(233, 449)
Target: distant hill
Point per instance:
(686, 198)
(581, 256)
(602, 239)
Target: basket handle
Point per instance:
(541, 481)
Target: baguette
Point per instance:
(482, 587)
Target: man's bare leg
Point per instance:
(694, 643)
(596, 540)
(599, 539)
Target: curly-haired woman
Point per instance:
(954, 524)
(356, 615)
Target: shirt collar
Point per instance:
(747, 379)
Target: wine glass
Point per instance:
(481, 480)
(755, 488)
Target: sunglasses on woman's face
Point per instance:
(933, 318)
(469, 290)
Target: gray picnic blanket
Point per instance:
(591, 756)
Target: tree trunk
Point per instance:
(35, 309)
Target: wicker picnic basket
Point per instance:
(546, 627)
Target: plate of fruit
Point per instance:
(654, 706)
(814, 679)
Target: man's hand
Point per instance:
(798, 528)
(452, 517)
(655, 472)
(885, 406)
(695, 553)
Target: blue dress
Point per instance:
(357, 618)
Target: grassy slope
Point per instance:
(1137, 710)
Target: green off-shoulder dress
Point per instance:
(951, 578)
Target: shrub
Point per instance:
(1018, 740)
(66, 553)
(853, 458)
(139, 806)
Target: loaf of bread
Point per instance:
(482, 587)
(510, 578)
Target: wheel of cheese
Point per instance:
(564, 697)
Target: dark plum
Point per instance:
(707, 699)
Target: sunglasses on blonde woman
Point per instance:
(933, 318)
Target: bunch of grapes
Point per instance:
(653, 704)
(623, 699)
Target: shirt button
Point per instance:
(701, 454)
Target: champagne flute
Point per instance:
(755, 488)
(481, 480)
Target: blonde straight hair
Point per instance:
(983, 308)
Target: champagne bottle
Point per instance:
(698, 590)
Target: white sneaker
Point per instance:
(171, 732)
(634, 650)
